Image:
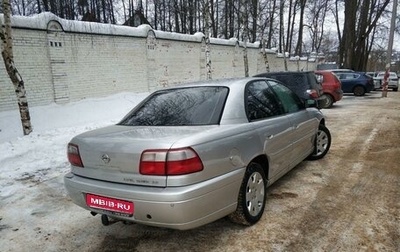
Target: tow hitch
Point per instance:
(107, 221)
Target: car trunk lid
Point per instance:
(113, 153)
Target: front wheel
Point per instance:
(252, 196)
(322, 143)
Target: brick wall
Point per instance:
(32, 62)
(63, 61)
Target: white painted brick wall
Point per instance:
(74, 64)
(31, 60)
(99, 65)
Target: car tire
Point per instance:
(322, 143)
(252, 196)
(359, 91)
(327, 101)
(395, 89)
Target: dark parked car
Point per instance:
(357, 83)
(189, 155)
(304, 84)
(331, 88)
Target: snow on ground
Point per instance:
(41, 155)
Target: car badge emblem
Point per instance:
(106, 159)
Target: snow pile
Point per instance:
(41, 155)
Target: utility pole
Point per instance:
(390, 49)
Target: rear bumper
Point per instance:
(171, 207)
(338, 95)
(391, 84)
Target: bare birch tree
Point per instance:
(206, 4)
(16, 79)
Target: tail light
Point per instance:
(337, 82)
(313, 93)
(73, 155)
(170, 162)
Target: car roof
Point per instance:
(282, 72)
(340, 70)
(323, 72)
(228, 82)
(383, 72)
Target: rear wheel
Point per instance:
(322, 143)
(359, 90)
(327, 100)
(252, 196)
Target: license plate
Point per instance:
(110, 204)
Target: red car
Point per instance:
(331, 87)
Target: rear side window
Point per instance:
(177, 107)
(261, 102)
(349, 76)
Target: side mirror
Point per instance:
(310, 103)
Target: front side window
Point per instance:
(261, 101)
(178, 107)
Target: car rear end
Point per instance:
(331, 85)
(168, 187)
(393, 81)
(369, 82)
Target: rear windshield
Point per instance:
(181, 106)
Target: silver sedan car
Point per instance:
(189, 155)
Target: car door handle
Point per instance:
(296, 126)
(270, 136)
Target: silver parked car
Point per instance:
(393, 80)
(192, 154)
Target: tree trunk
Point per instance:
(265, 56)
(350, 14)
(299, 45)
(338, 30)
(245, 33)
(254, 20)
(16, 79)
(281, 28)
(271, 25)
(207, 37)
